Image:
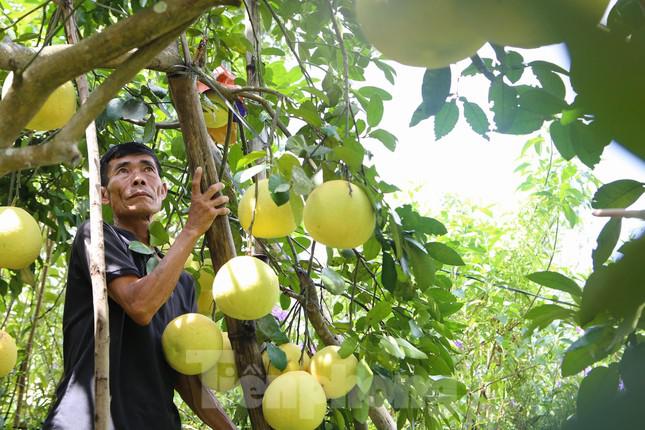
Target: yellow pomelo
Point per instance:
(223, 376)
(339, 214)
(529, 23)
(215, 113)
(246, 288)
(424, 33)
(20, 238)
(59, 107)
(336, 375)
(8, 353)
(294, 401)
(205, 298)
(293, 353)
(271, 221)
(219, 134)
(192, 343)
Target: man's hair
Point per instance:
(121, 150)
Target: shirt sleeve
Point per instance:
(118, 259)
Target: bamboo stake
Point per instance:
(96, 248)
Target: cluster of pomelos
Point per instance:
(437, 33)
(296, 397)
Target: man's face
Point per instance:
(134, 188)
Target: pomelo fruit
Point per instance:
(294, 401)
(8, 353)
(424, 33)
(246, 288)
(223, 376)
(57, 110)
(336, 375)
(271, 221)
(20, 238)
(192, 343)
(528, 23)
(293, 353)
(339, 214)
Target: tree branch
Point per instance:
(62, 147)
(620, 213)
(44, 74)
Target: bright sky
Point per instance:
(465, 164)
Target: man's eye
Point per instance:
(149, 169)
(122, 170)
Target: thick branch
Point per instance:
(62, 148)
(15, 57)
(621, 213)
(32, 87)
(220, 242)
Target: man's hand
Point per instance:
(206, 206)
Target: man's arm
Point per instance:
(202, 401)
(141, 298)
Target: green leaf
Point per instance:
(250, 158)
(309, 113)
(177, 148)
(562, 140)
(387, 139)
(504, 100)
(550, 82)
(542, 102)
(446, 119)
(434, 91)
(390, 345)
(587, 350)
(542, 316)
(140, 248)
(246, 174)
(588, 141)
(364, 376)
(332, 281)
(374, 111)
(302, 185)
(597, 390)
(279, 189)
(513, 66)
(269, 327)
(348, 346)
(423, 267)
(410, 350)
(388, 272)
(371, 248)
(443, 253)
(158, 234)
(606, 242)
(149, 130)
(557, 281)
(378, 313)
(415, 330)
(618, 194)
(476, 119)
(450, 389)
(360, 411)
(152, 262)
(277, 356)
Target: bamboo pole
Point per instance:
(96, 248)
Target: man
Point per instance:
(141, 304)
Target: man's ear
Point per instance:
(164, 190)
(105, 196)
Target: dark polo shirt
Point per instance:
(141, 382)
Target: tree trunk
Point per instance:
(220, 242)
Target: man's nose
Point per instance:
(138, 179)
